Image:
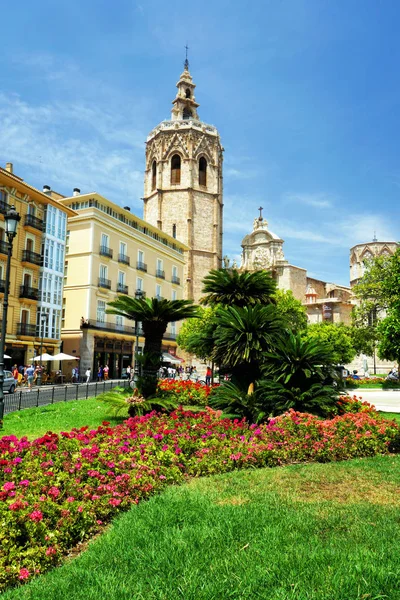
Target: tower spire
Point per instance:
(186, 63)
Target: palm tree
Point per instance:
(154, 314)
(298, 374)
(231, 287)
(242, 337)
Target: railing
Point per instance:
(2, 286)
(104, 283)
(31, 257)
(25, 291)
(122, 288)
(3, 247)
(170, 336)
(141, 266)
(122, 258)
(26, 329)
(160, 274)
(105, 251)
(4, 207)
(176, 279)
(32, 221)
(130, 329)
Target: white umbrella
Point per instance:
(171, 359)
(63, 356)
(6, 356)
(45, 357)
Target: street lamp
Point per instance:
(44, 317)
(138, 296)
(12, 219)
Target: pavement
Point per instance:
(385, 400)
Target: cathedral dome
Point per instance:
(262, 248)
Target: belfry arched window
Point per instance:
(187, 114)
(187, 93)
(175, 169)
(202, 171)
(153, 175)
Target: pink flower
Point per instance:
(54, 492)
(80, 509)
(36, 515)
(24, 482)
(70, 499)
(114, 502)
(23, 574)
(9, 485)
(17, 460)
(51, 551)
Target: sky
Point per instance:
(305, 95)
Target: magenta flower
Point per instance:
(36, 516)
(23, 574)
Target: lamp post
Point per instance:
(138, 296)
(12, 219)
(44, 317)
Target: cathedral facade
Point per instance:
(183, 185)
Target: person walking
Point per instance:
(100, 373)
(29, 374)
(208, 375)
(88, 375)
(105, 372)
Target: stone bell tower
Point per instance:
(183, 184)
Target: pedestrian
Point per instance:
(88, 375)
(128, 372)
(105, 372)
(208, 375)
(29, 374)
(100, 373)
(15, 374)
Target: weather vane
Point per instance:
(186, 63)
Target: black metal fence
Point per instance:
(42, 396)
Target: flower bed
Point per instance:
(371, 382)
(60, 489)
(187, 393)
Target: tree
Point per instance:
(291, 310)
(196, 335)
(337, 336)
(154, 314)
(389, 329)
(233, 288)
(241, 338)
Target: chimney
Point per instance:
(46, 189)
(9, 167)
(76, 192)
(127, 208)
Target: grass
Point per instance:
(302, 532)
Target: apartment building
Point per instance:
(37, 266)
(111, 252)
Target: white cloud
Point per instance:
(316, 200)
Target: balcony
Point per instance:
(104, 283)
(169, 335)
(4, 207)
(2, 286)
(32, 221)
(3, 248)
(32, 257)
(25, 291)
(160, 274)
(26, 329)
(141, 266)
(122, 258)
(176, 279)
(122, 288)
(103, 325)
(105, 251)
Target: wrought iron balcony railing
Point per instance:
(2, 286)
(26, 329)
(122, 258)
(105, 251)
(141, 266)
(4, 207)
(25, 291)
(176, 279)
(160, 274)
(3, 247)
(104, 283)
(122, 288)
(32, 221)
(32, 257)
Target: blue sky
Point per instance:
(305, 94)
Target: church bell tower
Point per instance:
(183, 184)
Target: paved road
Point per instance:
(50, 394)
(382, 399)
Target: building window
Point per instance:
(101, 311)
(187, 93)
(174, 231)
(119, 321)
(139, 284)
(175, 169)
(173, 295)
(153, 175)
(122, 249)
(103, 272)
(202, 171)
(158, 292)
(104, 241)
(29, 245)
(187, 114)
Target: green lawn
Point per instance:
(302, 532)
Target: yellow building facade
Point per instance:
(30, 306)
(111, 252)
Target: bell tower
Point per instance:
(183, 184)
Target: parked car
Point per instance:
(9, 382)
